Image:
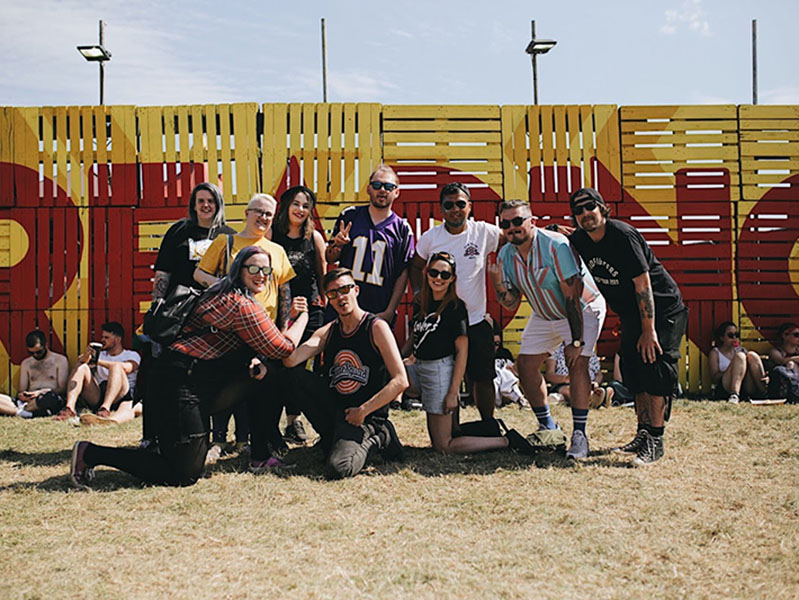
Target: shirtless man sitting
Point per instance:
(42, 381)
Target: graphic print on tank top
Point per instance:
(348, 373)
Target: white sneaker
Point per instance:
(733, 399)
(579, 446)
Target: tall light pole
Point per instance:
(324, 62)
(754, 61)
(99, 54)
(534, 48)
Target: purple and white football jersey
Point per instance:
(377, 254)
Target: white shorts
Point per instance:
(541, 336)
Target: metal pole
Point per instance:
(754, 61)
(324, 63)
(535, 67)
(102, 63)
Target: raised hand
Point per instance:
(343, 237)
(495, 271)
(299, 305)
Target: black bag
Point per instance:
(783, 383)
(166, 316)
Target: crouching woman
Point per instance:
(221, 340)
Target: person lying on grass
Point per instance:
(227, 328)
(437, 364)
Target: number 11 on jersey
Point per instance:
(378, 251)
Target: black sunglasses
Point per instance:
(341, 291)
(255, 269)
(383, 185)
(732, 335)
(515, 222)
(436, 273)
(589, 206)
(449, 204)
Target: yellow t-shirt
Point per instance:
(282, 272)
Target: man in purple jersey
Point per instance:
(377, 245)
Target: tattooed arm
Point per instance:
(648, 344)
(283, 304)
(572, 289)
(160, 284)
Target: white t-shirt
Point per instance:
(470, 249)
(102, 372)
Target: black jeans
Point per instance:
(188, 392)
(347, 448)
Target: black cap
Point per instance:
(585, 194)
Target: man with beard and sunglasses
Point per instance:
(376, 244)
(567, 308)
(42, 381)
(469, 242)
(649, 304)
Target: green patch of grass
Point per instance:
(718, 517)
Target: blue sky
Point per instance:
(618, 52)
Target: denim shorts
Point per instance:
(433, 378)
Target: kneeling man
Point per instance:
(348, 403)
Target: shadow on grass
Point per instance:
(36, 459)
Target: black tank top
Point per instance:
(302, 256)
(354, 365)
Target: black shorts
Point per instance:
(128, 397)
(661, 377)
(480, 364)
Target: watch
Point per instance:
(578, 343)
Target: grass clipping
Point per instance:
(718, 517)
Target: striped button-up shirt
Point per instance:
(549, 262)
(237, 320)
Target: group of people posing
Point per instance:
(276, 296)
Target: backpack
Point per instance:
(166, 316)
(783, 383)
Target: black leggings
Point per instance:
(189, 393)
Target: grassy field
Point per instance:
(717, 518)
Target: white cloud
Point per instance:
(690, 15)
(355, 85)
(785, 94)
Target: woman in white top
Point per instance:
(734, 369)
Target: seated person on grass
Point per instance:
(735, 371)
(104, 386)
(42, 381)
(347, 403)
(557, 376)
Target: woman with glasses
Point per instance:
(735, 371)
(436, 367)
(228, 334)
(294, 231)
(784, 357)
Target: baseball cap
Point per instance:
(585, 194)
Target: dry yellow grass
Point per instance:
(717, 518)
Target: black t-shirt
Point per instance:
(302, 256)
(616, 259)
(181, 250)
(434, 335)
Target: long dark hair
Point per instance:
(718, 334)
(281, 224)
(233, 281)
(219, 215)
(450, 296)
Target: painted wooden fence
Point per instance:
(86, 193)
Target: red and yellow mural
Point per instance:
(87, 192)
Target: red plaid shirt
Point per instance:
(238, 320)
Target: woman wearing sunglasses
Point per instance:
(438, 363)
(733, 369)
(228, 333)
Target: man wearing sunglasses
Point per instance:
(42, 381)
(469, 242)
(362, 372)
(649, 304)
(566, 308)
(376, 244)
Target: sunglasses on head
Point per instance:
(383, 185)
(255, 269)
(733, 336)
(514, 222)
(445, 256)
(449, 204)
(589, 206)
(339, 291)
(436, 273)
